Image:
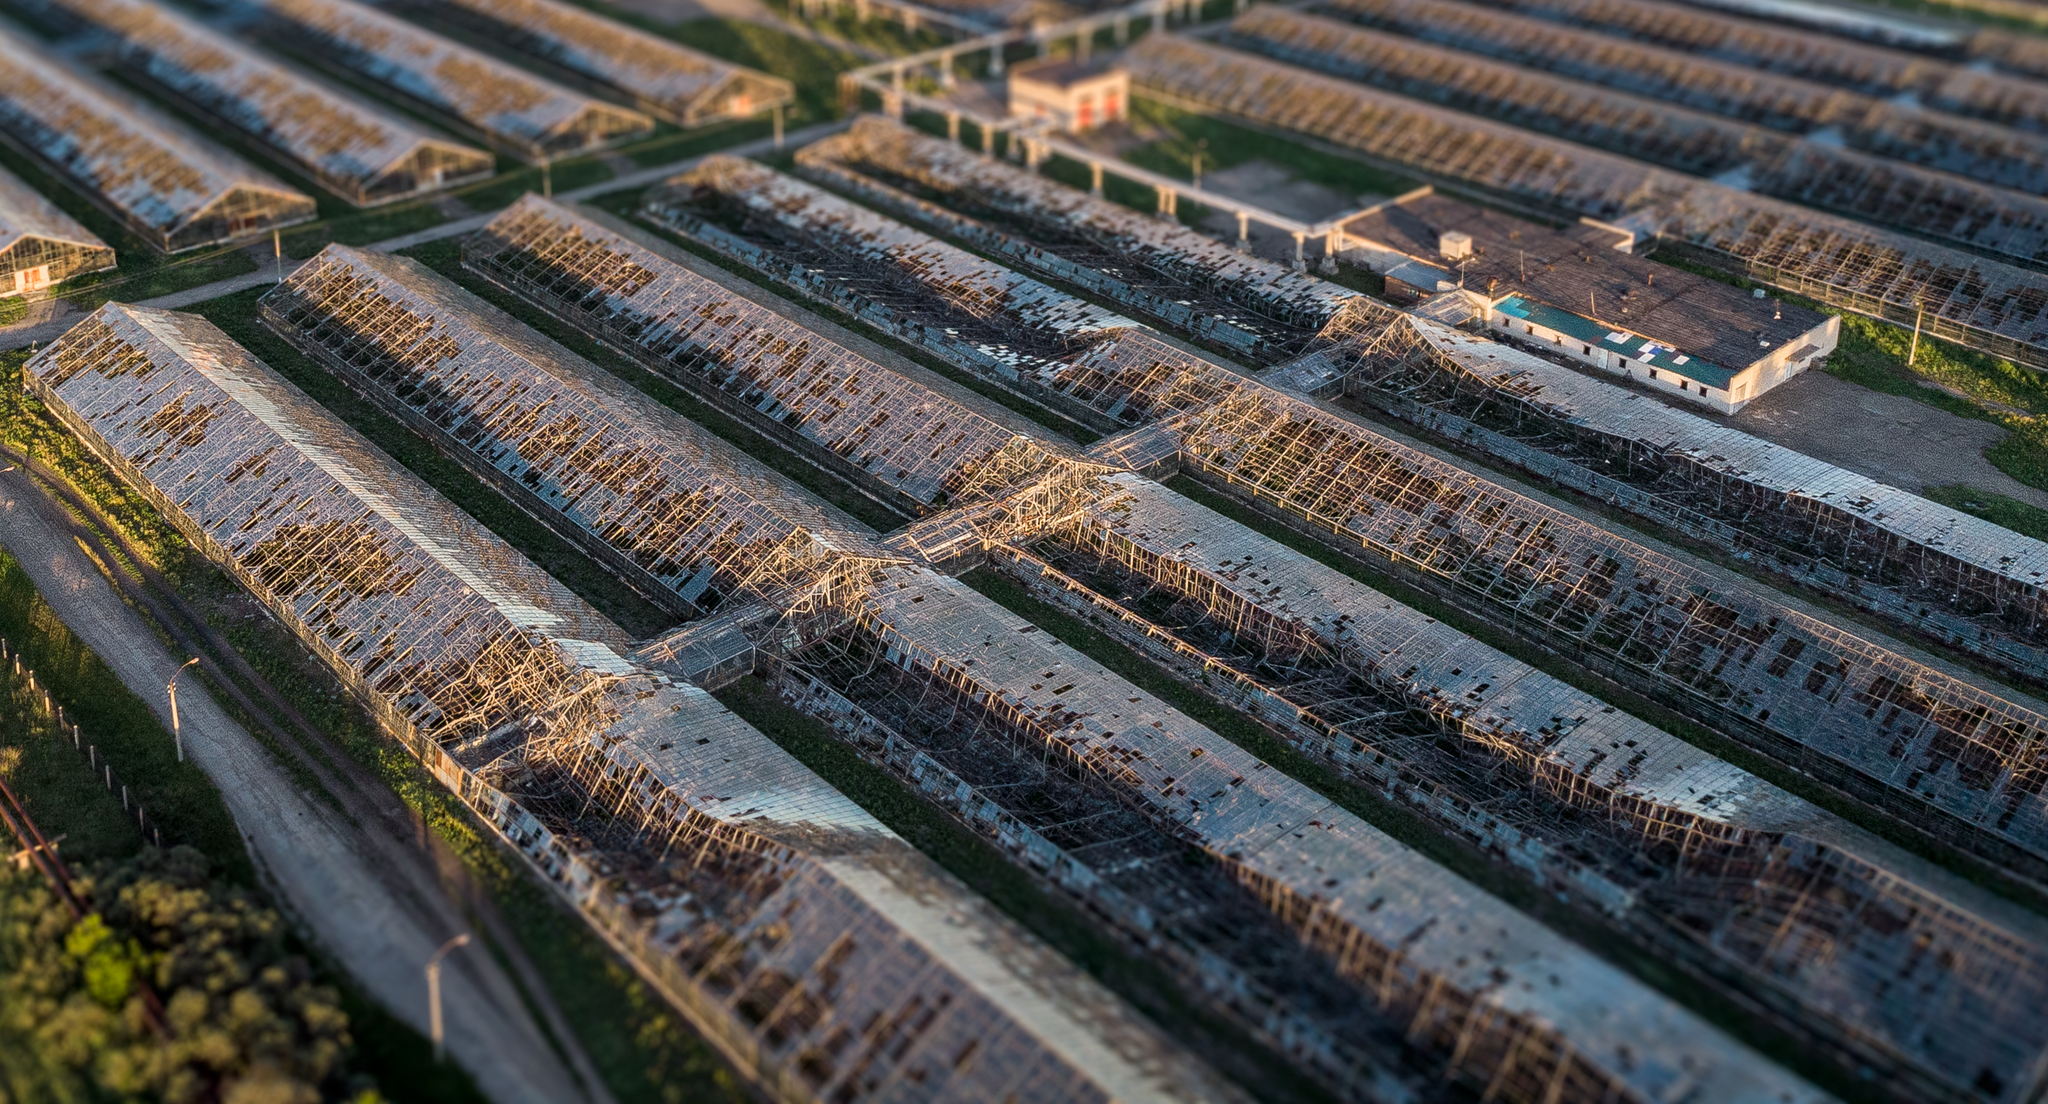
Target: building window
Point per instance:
(1653, 371)
(1586, 349)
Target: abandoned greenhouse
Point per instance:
(174, 189)
(736, 881)
(528, 116)
(40, 245)
(657, 75)
(365, 155)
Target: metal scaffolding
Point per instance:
(174, 189)
(1903, 735)
(985, 693)
(657, 75)
(361, 153)
(1979, 150)
(527, 116)
(911, 437)
(694, 522)
(1966, 298)
(1159, 267)
(1955, 207)
(1595, 803)
(40, 245)
(820, 951)
(1974, 585)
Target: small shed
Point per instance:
(1076, 95)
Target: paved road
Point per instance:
(22, 336)
(367, 910)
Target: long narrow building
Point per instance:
(1909, 737)
(1959, 206)
(40, 245)
(174, 189)
(1186, 279)
(818, 950)
(363, 154)
(1965, 297)
(528, 116)
(1738, 859)
(1667, 790)
(911, 438)
(1857, 540)
(657, 75)
(1878, 125)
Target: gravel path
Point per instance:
(378, 914)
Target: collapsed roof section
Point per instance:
(1976, 585)
(1902, 131)
(1735, 859)
(1960, 205)
(1112, 234)
(529, 117)
(40, 245)
(910, 438)
(658, 498)
(1429, 948)
(777, 911)
(362, 154)
(1777, 48)
(1888, 724)
(1967, 298)
(658, 75)
(174, 189)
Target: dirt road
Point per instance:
(373, 907)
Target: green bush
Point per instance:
(243, 1021)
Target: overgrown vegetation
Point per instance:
(244, 1021)
(1224, 144)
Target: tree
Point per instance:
(244, 1022)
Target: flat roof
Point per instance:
(1578, 272)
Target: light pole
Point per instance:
(1201, 144)
(171, 688)
(434, 990)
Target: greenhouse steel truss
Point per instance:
(1966, 298)
(1972, 585)
(527, 116)
(1979, 150)
(173, 189)
(1906, 737)
(1776, 48)
(363, 154)
(1330, 707)
(812, 945)
(690, 520)
(933, 673)
(40, 245)
(1960, 205)
(1251, 306)
(908, 438)
(1705, 863)
(657, 75)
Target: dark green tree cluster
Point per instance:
(243, 1022)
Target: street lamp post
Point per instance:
(171, 688)
(434, 990)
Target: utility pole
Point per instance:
(434, 991)
(1201, 144)
(1919, 313)
(171, 688)
(547, 178)
(277, 248)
